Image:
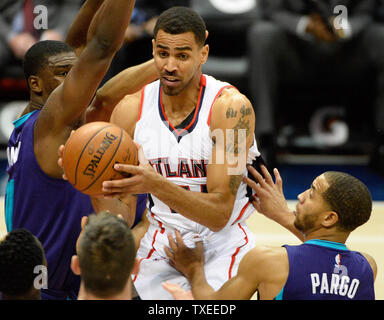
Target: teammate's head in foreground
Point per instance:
(20, 253)
(179, 48)
(106, 257)
(336, 203)
(46, 65)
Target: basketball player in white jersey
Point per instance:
(196, 133)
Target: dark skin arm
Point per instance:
(66, 105)
(128, 81)
(78, 31)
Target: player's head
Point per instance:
(46, 64)
(105, 256)
(335, 200)
(179, 48)
(20, 254)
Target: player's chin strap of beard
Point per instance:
(255, 160)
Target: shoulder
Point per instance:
(230, 98)
(371, 262)
(129, 103)
(127, 112)
(266, 258)
(231, 106)
(267, 253)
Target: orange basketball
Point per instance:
(91, 152)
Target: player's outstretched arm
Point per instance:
(67, 104)
(114, 90)
(105, 37)
(77, 32)
(269, 199)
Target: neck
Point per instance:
(338, 236)
(35, 103)
(125, 294)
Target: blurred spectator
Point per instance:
(20, 253)
(308, 41)
(24, 22)
(138, 37)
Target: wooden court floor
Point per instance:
(368, 238)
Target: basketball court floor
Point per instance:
(368, 238)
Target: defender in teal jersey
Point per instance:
(322, 268)
(62, 81)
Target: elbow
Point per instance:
(105, 48)
(216, 228)
(99, 99)
(221, 222)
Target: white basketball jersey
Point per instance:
(182, 155)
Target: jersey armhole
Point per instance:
(214, 100)
(141, 103)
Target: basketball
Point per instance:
(91, 152)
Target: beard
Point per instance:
(174, 90)
(171, 91)
(305, 223)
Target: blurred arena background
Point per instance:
(331, 123)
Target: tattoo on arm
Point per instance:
(234, 182)
(237, 143)
(231, 113)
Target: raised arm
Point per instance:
(127, 82)
(77, 32)
(105, 37)
(67, 104)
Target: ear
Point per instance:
(84, 221)
(153, 47)
(75, 266)
(330, 219)
(204, 54)
(35, 84)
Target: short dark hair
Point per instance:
(177, 20)
(20, 253)
(106, 254)
(349, 198)
(37, 56)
